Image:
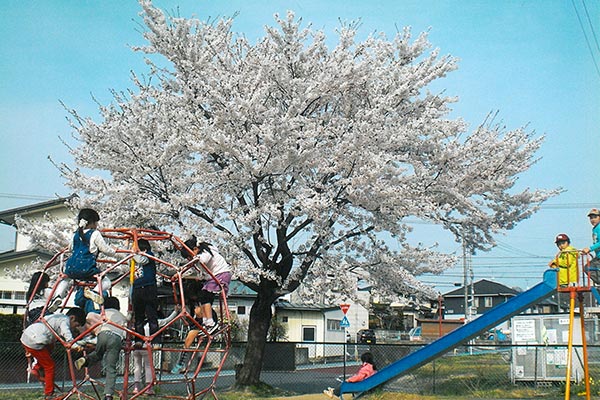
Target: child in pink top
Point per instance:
(367, 369)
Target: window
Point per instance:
(308, 333)
(241, 310)
(232, 307)
(488, 301)
(6, 294)
(20, 295)
(284, 319)
(333, 325)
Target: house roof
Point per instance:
(238, 289)
(485, 287)
(548, 301)
(286, 305)
(363, 285)
(7, 217)
(25, 254)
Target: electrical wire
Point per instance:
(587, 14)
(586, 38)
(24, 196)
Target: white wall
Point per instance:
(23, 242)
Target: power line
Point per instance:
(587, 41)
(567, 206)
(587, 14)
(515, 250)
(559, 206)
(509, 257)
(24, 196)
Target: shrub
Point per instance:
(11, 327)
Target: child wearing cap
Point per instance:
(594, 216)
(565, 261)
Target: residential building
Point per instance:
(12, 291)
(320, 323)
(486, 295)
(239, 301)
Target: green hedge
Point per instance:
(11, 327)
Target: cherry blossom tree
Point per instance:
(300, 160)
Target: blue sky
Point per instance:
(529, 60)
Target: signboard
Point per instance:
(345, 323)
(344, 307)
(524, 330)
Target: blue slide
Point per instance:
(458, 336)
(596, 294)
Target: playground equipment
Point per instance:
(490, 319)
(583, 284)
(216, 343)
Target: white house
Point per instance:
(239, 301)
(320, 323)
(12, 291)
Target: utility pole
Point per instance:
(469, 294)
(468, 286)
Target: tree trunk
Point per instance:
(258, 327)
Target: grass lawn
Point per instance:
(31, 395)
(476, 377)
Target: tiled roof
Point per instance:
(238, 289)
(7, 217)
(485, 287)
(286, 305)
(25, 254)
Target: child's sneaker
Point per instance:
(93, 296)
(178, 368)
(56, 303)
(80, 362)
(136, 388)
(38, 373)
(211, 328)
(329, 393)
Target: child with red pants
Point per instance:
(38, 340)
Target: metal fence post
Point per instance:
(535, 367)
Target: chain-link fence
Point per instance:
(482, 371)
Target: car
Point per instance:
(414, 335)
(495, 335)
(366, 336)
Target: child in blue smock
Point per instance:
(85, 248)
